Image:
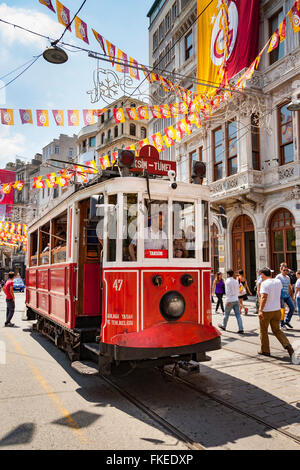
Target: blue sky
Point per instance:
(47, 86)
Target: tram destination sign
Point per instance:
(149, 160)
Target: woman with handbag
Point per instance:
(219, 290)
(244, 290)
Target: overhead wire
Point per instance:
(23, 71)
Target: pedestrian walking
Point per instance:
(219, 290)
(286, 296)
(244, 290)
(297, 293)
(8, 289)
(270, 314)
(257, 288)
(232, 302)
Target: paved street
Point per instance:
(45, 404)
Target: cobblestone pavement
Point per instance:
(267, 387)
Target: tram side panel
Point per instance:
(51, 291)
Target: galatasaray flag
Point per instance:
(294, 17)
(123, 66)
(143, 112)
(89, 117)
(42, 117)
(63, 14)
(274, 41)
(58, 115)
(100, 39)
(47, 3)
(282, 30)
(81, 30)
(73, 117)
(158, 141)
(111, 49)
(133, 68)
(7, 117)
(119, 115)
(227, 39)
(26, 116)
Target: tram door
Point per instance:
(89, 299)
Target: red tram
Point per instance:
(119, 272)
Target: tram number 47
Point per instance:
(117, 285)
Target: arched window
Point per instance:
(109, 134)
(143, 132)
(132, 129)
(116, 131)
(102, 138)
(283, 240)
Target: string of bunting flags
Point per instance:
(12, 234)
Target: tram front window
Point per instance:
(129, 227)
(155, 231)
(184, 235)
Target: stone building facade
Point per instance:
(251, 146)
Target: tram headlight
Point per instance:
(157, 280)
(186, 280)
(199, 172)
(126, 158)
(172, 306)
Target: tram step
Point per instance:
(85, 367)
(92, 347)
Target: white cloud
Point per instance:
(10, 146)
(30, 19)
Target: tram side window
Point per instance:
(45, 244)
(183, 230)
(112, 228)
(59, 235)
(205, 231)
(129, 227)
(155, 230)
(34, 248)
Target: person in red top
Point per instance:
(8, 289)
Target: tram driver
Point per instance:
(154, 237)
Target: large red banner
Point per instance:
(227, 39)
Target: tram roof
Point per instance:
(159, 188)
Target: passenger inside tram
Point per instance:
(155, 238)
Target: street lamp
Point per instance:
(55, 55)
(294, 105)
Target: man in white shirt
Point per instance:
(154, 237)
(297, 292)
(269, 313)
(232, 290)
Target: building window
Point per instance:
(155, 40)
(161, 30)
(102, 118)
(255, 141)
(218, 153)
(70, 152)
(108, 114)
(168, 21)
(102, 138)
(116, 131)
(231, 150)
(175, 11)
(92, 141)
(283, 240)
(143, 132)
(285, 133)
(168, 53)
(132, 129)
(57, 149)
(109, 135)
(188, 41)
(274, 23)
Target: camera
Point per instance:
(172, 178)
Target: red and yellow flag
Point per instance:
(100, 39)
(81, 30)
(58, 115)
(119, 115)
(274, 41)
(223, 45)
(132, 114)
(158, 141)
(294, 16)
(89, 117)
(143, 112)
(123, 59)
(7, 117)
(47, 3)
(73, 117)
(282, 30)
(42, 117)
(111, 49)
(133, 69)
(26, 116)
(63, 15)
